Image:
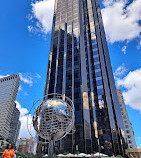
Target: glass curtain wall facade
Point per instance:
(8, 92)
(79, 67)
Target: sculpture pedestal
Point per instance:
(51, 148)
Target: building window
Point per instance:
(95, 63)
(100, 87)
(96, 59)
(98, 74)
(100, 91)
(130, 141)
(126, 126)
(97, 66)
(99, 82)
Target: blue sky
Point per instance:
(25, 40)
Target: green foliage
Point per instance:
(37, 156)
(77, 152)
(65, 153)
(52, 156)
(28, 155)
(118, 156)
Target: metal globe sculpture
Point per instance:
(53, 119)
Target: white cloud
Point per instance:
(23, 111)
(30, 28)
(124, 49)
(1, 76)
(38, 76)
(121, 20)
(24, 131)
(132, 83)
(26, 78)
(26, 94)
(20, 88)
(23, 118)
(43, 12)
(120, 71)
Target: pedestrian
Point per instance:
(92, 155)
(8, 152)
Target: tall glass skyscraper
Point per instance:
(15, 125)
(79, 67)
(8, 92)
(129, 133)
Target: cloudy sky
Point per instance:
(25, 28)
